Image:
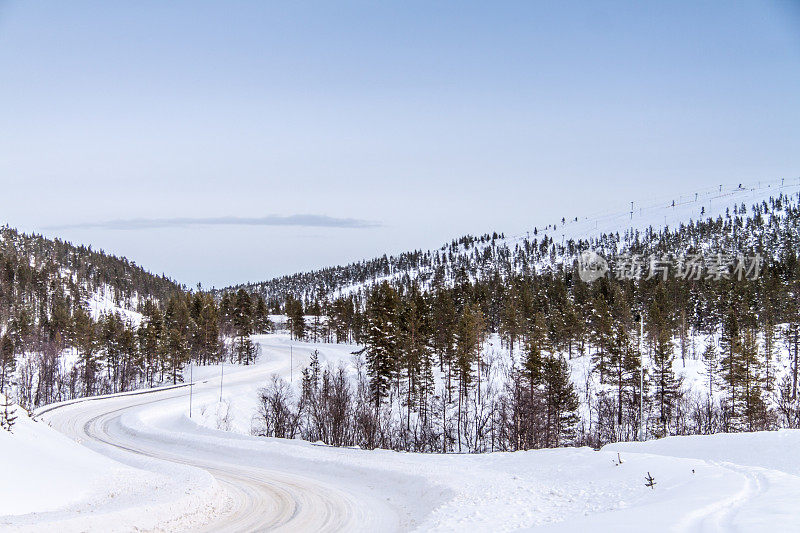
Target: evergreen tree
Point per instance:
(603, 337)
(261, 321)
(710, 365)
(415, 349)
(7, 361)
(8, 415)
(754, 410)
(297, 322)
(666, 387)
(771, 353)
(150, 333)
(731, 371)
(177, 323)
(469, 336)
(83, 331)
(243, 324)
(622, 367)
(381, 344)
(561, 401)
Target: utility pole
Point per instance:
(641, 378)
(191, 386)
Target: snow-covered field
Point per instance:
(141, 462)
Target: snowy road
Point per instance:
(256, 498)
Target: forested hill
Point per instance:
(77, 322)
(692, 326)
(39, 270)
(721, 217)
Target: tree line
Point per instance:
(67, 353)
(429, 382)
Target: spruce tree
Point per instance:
(150, 333)
(561, 401)
(8, 415)
(177, 324)
(381, 346)
(710, 365)
(7, 360)
(731, 372)
(295, 315)
(85, 339)
(754, 410)
(666, 387)
(243, 324)
(261, 321)
(469, 336)
(415, 352)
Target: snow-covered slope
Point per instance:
(101, 302)
(52, 483)
(489, 252)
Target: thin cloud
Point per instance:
(311, 221)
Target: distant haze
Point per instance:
(235, 142)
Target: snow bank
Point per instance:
(52, 482)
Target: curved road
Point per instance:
(258, 498)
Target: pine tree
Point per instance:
(150, 333)
(297, 322)
(111, 328)
(561, 401)
(754, 410)
(771, 354)
(8, 415)
(415, 352)
(731, 371)
(603, 337)
(85, 339)
(7, 360)
(243, 324)
(536, 348)
(622, 367)
(381, 344)
(443, 315)
(177, 323)
(469, 336)
(261, 321)
(710, 365)
(666, 388)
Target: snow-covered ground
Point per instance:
(144, 463)
(102, 302)
(53, 483)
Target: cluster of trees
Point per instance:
(80, 356)
(52, 348)
(410, 339)
(44, 289)
(430, 382)
(244, 315)
(320, 284)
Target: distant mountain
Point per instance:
(541, 248)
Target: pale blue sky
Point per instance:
(343, 130)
